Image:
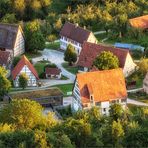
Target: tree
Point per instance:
(5, 84)
(106, 60)
(117, 132)
(34, 38)
(70, 55)
(23, 80)
(9, 18)
(77, 130)
(23, 113)
(143, 66)
(116, 111)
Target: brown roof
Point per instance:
(52, 71)
(8, 33)
(75, 32)
(24, 61)
(4, 57)
(90, 51)
(104, 85)
(139, 22)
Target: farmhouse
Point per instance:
(46, 97)
(99, 88)
(12, 39)
(90, 51)
(53, 73)
(5, 59)
(140, 22)
(75, 35)
(24, 66)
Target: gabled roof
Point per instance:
(8, 34)
(139, 22)
(52, 71)
(75, 32)
(104, 85)
(4, 57)
(90, 51)
(24, 61)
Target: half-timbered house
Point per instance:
(24, 66)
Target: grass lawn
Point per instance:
(39, 66)
(101, 36)
(63, 77)
(65, 88)
(32, 55)
(136, 76)
(71, 69)
(139, 96)
(54, 45)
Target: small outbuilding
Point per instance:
(47, 97)
(53, 72)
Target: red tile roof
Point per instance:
(52, 71)
(24, 61)
(104, 85)
(139, 22)
(4, 57)
(90, 51)
(74, 32)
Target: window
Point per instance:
(104, 109)
(91, 98)
(98, 103)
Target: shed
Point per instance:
(47, 97)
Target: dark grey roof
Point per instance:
(75, 32)
(8, 33)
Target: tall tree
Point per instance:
(70, 54)
(25, 114)
(106, 60)
(34, 38)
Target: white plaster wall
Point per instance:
(19, 47)
(129, 66)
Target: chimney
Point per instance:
(84, 27)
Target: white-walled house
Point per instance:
(90, 51)
(99, 88)
(24, 66)
(75, 35)
(53, 72)
(12, 39)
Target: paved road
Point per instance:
(131, 101)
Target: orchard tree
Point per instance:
(23, 80)
(5, 84)
(34, 38)
(106, 60)
(70, 54)
(143, 66)
(117, 132)
(116, 111)
(23, 113)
